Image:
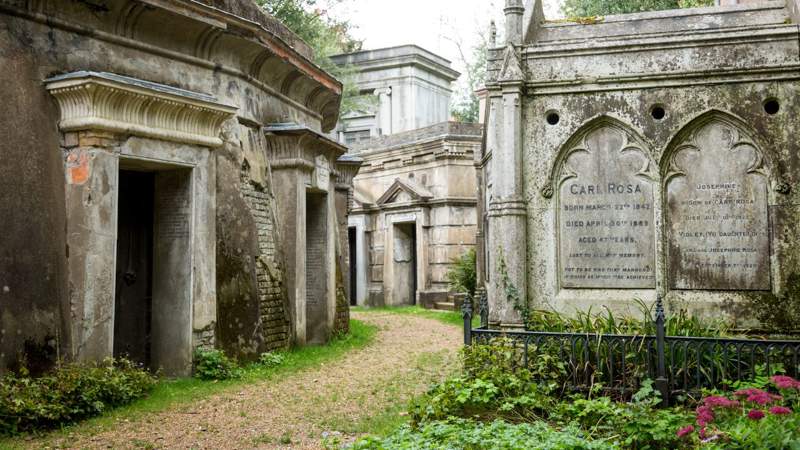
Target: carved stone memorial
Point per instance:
(606, 213)
(716, 195)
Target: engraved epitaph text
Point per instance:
(717, 212)
(606, 214)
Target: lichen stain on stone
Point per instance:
(78, 167)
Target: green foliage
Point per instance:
(591, 8)
(69, 393)
(270, 359)
(511, 291)
(462, 274)
(212, 364)
(750, 419)
(639, 423)
(492, 387)
(326, 35)
(466, 105)
(678, 323)
(472, 435)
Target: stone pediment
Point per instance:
(403, 192)
(511, 70)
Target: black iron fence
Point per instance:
(619, 363)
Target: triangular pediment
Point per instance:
(404, 192)
(511, 69)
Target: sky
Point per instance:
(431, 24)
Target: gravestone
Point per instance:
(717, 212)
(606, 213)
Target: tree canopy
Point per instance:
(328, 36)
(587, 8)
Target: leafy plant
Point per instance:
(584, 8)
(271, 359)
(462, 274)
(212, 364)
(751, 418)
(473, 435)
(69, 393)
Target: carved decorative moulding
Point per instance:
(115, 103)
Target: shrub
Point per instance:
(470, 435)
(751, 418)
(69, 393)
(462, 274)
(212, 364)
(269, 360)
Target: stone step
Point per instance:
(444, 306)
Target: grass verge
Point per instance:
(169, 393)
(448, 317)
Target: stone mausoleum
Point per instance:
(167, 183)
(643, 155)
(414, 205)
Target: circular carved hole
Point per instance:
(658, 112)
(553, 118)
(772, 106)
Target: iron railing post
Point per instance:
(466, 314)
(662, 383)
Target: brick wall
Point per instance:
(275, 321)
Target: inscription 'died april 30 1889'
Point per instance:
(606, 229)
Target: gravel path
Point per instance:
(341, 396)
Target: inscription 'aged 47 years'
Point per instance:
(606, 229)
(717, 213)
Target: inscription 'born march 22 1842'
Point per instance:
(606, 214)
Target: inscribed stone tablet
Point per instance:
(606, 214)
(717, 212)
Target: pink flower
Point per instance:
(716, 401)
(755, 414)
(784, 382)
(757, 396)
(780, 410)
(685, 431)
(705, 415)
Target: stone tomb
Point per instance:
(646, 155)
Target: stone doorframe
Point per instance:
(421, 220)
(302, 160)
(110, 122)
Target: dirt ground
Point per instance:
(342, 398)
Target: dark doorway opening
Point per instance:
(352, 242)
(134, 268)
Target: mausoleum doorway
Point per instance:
(404, 259)
(153, 290)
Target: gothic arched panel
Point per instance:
(716, 200)
(605, 185)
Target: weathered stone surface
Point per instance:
(717, 207)
(606, 213)
(720, 79)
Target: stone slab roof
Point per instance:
(437, 131)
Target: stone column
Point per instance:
(507, 208)
(384, 110)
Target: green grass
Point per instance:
(185, 390)
(448, 317)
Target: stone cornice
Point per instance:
(118, 104)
